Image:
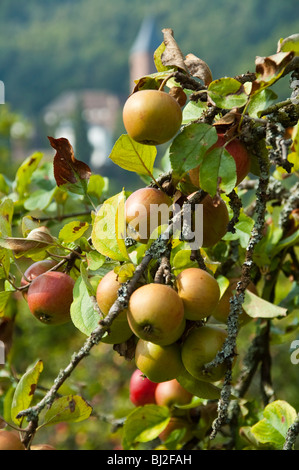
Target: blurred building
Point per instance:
(141, 60)
(89, 118)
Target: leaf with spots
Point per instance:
(278, 416)
(69, 173)
(25, 390)
(72, 231)
(70, 408)
(25, 172)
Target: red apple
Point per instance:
(215, 219)
(50, 296)
(34, 270)
(172, 393)
(142, 212)
(142, 390)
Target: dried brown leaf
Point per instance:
(178, 94)
(268, 67)
(172, 56)
(199, 68)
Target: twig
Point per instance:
(228, 351)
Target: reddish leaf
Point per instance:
(67, 170)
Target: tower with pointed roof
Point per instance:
(141, 59)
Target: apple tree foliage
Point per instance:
(37, 221)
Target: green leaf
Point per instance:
(83, 314)
(25, 172)
(96, 185)
(273, 428)
(109, 229)
(39, 199)
(95, 260)
(287, 242)
(144, 424)
(158, 61)
(189, 147)
(223, 283)
(260, 101)
(6, 215)
(198, 388)
(227, 93)
(4, 186)
(24, 392)
(256, 307)
(291, 43)
(4, 263)
(133, 156)
(192, 111)
(72, 231)
(69, 409)
(181, 260)
(243, 230)
(218, 165)
(4, 298)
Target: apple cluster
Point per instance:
(170, 393)
(157, 316)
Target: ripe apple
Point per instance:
(200, 348)
(237, 150)
(142, 212)
(34, 270)
(10, 441)
(50, 296)
(152, 117)
(142, 390)
(222, 309)
(158, 363)
(106, 295)
(172, 393)
(42, 447)
(215, 219)
(199, 292)
(156, 314)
